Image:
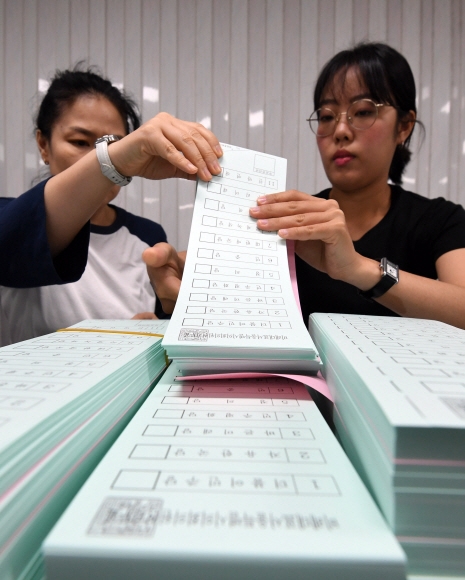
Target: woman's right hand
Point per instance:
(166, 147)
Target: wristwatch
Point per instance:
(107, 167)
(389, 277)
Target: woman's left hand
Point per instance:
(323, 240)
(165, 267)
(320, 230)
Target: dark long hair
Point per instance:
(389, 79)
(67, 85)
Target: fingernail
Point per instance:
(218, 150)
(254, 210)
(191, 166)
(216, 166)
(262, 223)
(261, 200)
(206, 175)
(283, 233)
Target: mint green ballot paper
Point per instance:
(64, 399)
(399, 392)
(224, 479)
(236, 309)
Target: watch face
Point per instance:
(108, 138)
(391, 271)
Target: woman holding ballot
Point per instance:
(365, 245)
(44, 233)
(83, 134)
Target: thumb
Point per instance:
(159, 255)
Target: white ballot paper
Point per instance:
(224, 479)
(237, 301)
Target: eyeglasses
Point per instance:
(360, 115)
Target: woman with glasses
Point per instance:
(365, 245)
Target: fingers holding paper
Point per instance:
(318, 226)
(295, 214)
(166, 147)
(165, 267)
(192, 142)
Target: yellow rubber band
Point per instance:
(110, 331)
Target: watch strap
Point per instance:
(389, 277)
(107, 167)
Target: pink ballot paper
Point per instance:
(236, 309)
(315, 382)
(290, 245)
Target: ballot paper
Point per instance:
(398, 386)
(408, 373)
(224, 479)
(64, 398)
(236, 310)
(47, 384)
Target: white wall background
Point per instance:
(244, 68)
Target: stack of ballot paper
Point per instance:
(237, 307)
(64, 398)
(224, 479)
(399, 393)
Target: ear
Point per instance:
(44, 147)
(405, 127)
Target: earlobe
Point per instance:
(406, 126)
(43, 146)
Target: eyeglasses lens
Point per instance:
(361, 115)
(322, 122)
